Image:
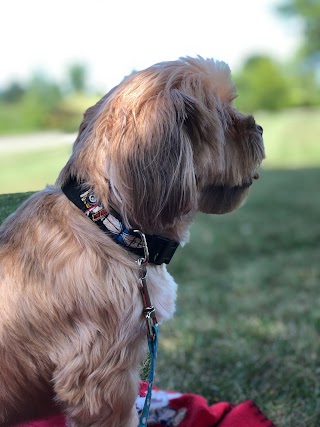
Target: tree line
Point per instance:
(263, 83)
(43, 103)
(267, 84)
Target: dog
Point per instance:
(165, 143)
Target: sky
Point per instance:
(114, 37)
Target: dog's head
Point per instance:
(167, 142)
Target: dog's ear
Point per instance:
(86, 163)
(151, 161)
(90, 114)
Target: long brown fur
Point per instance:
(164, 144)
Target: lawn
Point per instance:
(248, 318)
(30, 169)
(291, 138)
(248, 312)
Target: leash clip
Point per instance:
(145, 259)
(151, 320)
(149, 313)
(148, 309)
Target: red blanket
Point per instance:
(173, 409)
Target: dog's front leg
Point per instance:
(101, 397)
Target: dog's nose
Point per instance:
(260, 129)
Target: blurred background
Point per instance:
(57, 59)
(248, 313)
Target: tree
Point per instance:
(262, 84)
(13, 93)
(308, 11)
(77, 77)
(40, 101)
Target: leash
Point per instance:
(152, 327)
(153, 348)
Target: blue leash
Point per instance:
(153, 347)
(152, 327)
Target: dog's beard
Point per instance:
(222, 199)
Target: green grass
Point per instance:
(248, 318)
(291, 138)
(248, 313)
(31, 170)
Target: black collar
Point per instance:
(161, 250)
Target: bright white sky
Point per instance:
(113, 37)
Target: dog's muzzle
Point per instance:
(259, 129)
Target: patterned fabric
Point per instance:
(172, 409)
(113, 224)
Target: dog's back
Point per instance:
(25, 375)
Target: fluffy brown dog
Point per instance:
(164, 144)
